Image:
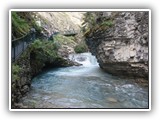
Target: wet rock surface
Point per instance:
(123, 48)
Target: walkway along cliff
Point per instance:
(48, 47)
(119, 40)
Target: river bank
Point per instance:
(49, 74)
(85, 86)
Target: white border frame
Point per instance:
(79, 10)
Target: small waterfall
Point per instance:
(86, 59)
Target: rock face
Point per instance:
(20, 85)
(123, 48)
(54, 23)
(58, 21)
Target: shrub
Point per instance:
(19, 25)
(61, 39)
(81, 48)
(94, 21)
(15, 72)
(45, 50)
(22, 22)
(108, 23)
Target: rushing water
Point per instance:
(85, 86)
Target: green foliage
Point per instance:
(60, 39)
(19, 25)
(94, 21)
(22, 22)
(108, 23)
(45, 50)
(37, 28)
(44, 44)
(45, 53)
(89, 19)
(15, 69)
(36, 44)
(81, 48)
(15, 72)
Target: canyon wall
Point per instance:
(122, 49)
(58, 21)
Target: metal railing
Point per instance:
(19, 45)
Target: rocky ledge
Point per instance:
(122, 49)
(32, 62)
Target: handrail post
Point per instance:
(14, 53)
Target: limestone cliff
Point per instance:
(62, 23)
(121, 48)
(58, 21)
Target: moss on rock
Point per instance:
(39, 55)
(81, 48)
